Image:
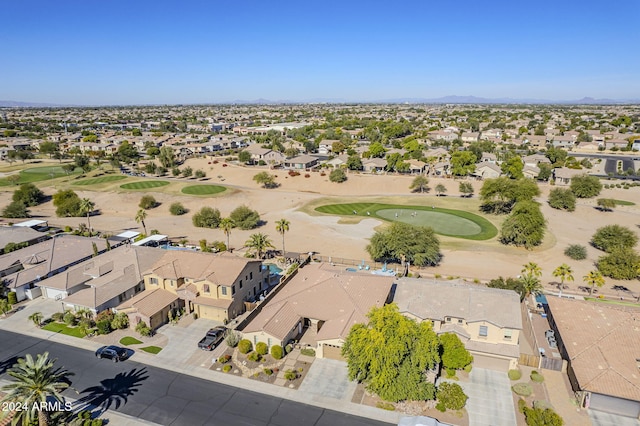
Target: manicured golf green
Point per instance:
(203, 189)
(37, 174)
(145, 184)
(101, 179)
(452, 223)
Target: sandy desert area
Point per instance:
(327, 235)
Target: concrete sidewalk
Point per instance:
(19, 323)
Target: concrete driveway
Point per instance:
(329, 378)
(183, 341)
(490, 402)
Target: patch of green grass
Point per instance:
(203, 189)
(611, 302)
(151, 349)
(128, 340)
(101, 179)
(624, 203)
(145, 184)
(448, 222)
(57, 327)
(37, 174)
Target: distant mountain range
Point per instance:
(453, 99)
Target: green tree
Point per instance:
(440, 189)
(354, 162)
(245, 218)
(463, 163)
(557, 156)
(141, 215)
(337, 147)
(167, 157)
(207, 217)
(525, 227)
(337, 176)
(451, 396)
(177, 209)
(127, 152)
(227, 224)
(265, 179)
(376, 150)
(258, 243)
(147, 202)
(565, 273)
(5, 307)
(48, 148)
(29, 194)
(419, 184)
(620, 264)
(396, 373)
(585, 186)
(529, 284)
(199, 174)
(136, 132)
(466, 189)
(606, 204)
(36, 382)
(14, 210)
(401, 242)
(592, 279)
(513, 167)
(282, 226)
(533, 269)
(545, 171)
(187, 172)
(542, 417)
(454, 355)
(500, 194)
(244, 156)
(67, 203)
(86, 207)
(562, 199)
(611, 237)
(36, 318)
(82, 162)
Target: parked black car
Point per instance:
(212, 338)
(113, 353)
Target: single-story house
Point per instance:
(487, 320)
(301, 162)
(20, 235)
(487, 171)
(563, 175)
(318, 307)
(531, 172)
(374, 165)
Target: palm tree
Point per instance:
(87, 206)
(140, 217)
(36, 317)
(36, 381)
(282, 226)
(259, 243)
(532, 268)
(227, 224)
(564, 272)
(530, 285)
(593, 278)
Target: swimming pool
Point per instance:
(541, 298)
(273, 269)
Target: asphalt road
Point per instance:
(166, 397)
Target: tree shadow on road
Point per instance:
(112, 393)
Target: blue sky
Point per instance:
(151, 52)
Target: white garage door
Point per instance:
(609, 404)
(52, 293)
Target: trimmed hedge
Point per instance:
(276, 352)
(515, 374)
(245, 346)
(522, 389)
(536, 377)
(262, 348)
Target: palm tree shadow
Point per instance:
(7, 364)
(112, 392)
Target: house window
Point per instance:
(224, 290)
(205, 288)
(459, 321)
(240, 283)
(251, 275)
(153, 281)
(233, 290)
(507, 335)
(448, 319)
(484, 331)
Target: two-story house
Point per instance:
(487, 320)
(214, 286)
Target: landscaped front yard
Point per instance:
(57, 327)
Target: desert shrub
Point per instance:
(58, 317)
(12, 297)
(143, 329)
(291, 375)
(576, 252)
(245, 346)
(120, 321)
(611, 237)
(245, 218)
(288, 348)
(620, 264)
(268, 371)
(224, 359)
(562, 199)
(104, 327)
(232, 338)
(308, 352)
(227, 368)
(515, 374)
(254, 356)
(536, 377)
(70, 318)
(538, 416)
(276, 352)
(207, 217)
(542, 404)
(177, 209)
(105, 315)
(337, 176)
(451, 395)
(147, 202)
(521, 405)
(522, 389)
(262, 348)
(15, 209)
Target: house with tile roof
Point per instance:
(601, 344)
(487, 320)
(318, 307)
(214, 286)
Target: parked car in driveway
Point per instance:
(114, 353)
(212, 338)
